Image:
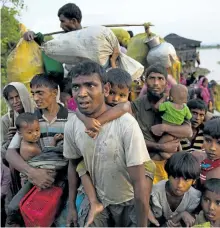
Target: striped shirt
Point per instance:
(50, 129)
(195, 144)
(47, 129)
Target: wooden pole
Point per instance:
(113, 25)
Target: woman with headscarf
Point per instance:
(18, 100)
(203, 85)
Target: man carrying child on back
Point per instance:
(150, 120)
(109, 158)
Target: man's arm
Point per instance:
(142, 189)
(159, 149)
(39, 177)
(73, 180)
(114, 57)
(183, 131)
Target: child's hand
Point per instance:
(58, 137)
(188, 219)
(152, 219)
(170, 223)
(92, 124)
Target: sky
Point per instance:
(194, 19)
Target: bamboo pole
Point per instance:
(111, 25)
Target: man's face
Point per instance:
(30, 131)
(117, 95)
(156, 83)
(15, 101)
(211, 205)
(44, 97)
(89, 93)
(212, 147)
(68, 25)
(198, 117)
(179, 185)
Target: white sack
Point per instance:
(164, 53)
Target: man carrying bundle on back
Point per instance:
(70, 17)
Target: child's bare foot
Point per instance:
(95, 209)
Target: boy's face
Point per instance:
(30, 132)
(179, 185)
(211, 205)
(117, 95)
(212, 147)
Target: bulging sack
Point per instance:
(165, 54)
(24, 62)
(95, 43)
(138, 49)
(122, 35)
(134, 68)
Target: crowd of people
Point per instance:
(153, 161)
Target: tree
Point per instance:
(10, 33)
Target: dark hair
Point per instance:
(183, 164)
(119, 77)
(44, 80)
(25, 117)
(87, 68)
(70, 11)
(130, 33)
(66, 85)
(201, 76)
(212, 185)
(197, 104)
(212, 83)
(8, 89)
(212, 127)
(156, 68)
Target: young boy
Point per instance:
(210, 203)
(210, 167)
(171, 198)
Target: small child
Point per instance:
(171, 198)
(210, 167)
(210, 203)
(28, 128)
(175, 110)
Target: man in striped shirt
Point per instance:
(198, 110)
(52, 117)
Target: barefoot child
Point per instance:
(171, 198)
(174, 111)
(210, 167)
